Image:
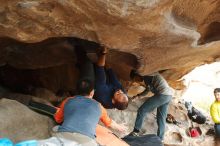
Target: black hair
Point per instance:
(121, 105)
(133, 73)
(216, 90)
(84, 86)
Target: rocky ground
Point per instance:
(176, 135)
(18, 122)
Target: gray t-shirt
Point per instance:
(157, 84)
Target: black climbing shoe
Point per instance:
(134, 133)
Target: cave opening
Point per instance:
(50, 65)
(200, 84)
(211, 34)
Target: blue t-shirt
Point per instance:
(81, 115)
(106, 83)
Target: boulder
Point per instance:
(18, 122)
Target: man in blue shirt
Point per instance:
(108, 90)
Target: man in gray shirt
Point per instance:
(160, 100)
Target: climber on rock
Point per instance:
(80, 114)
(160, 100)
(108, 90)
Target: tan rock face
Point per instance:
(171, 35)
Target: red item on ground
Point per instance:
(194, 132)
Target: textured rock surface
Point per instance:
(152, 35)
(18, 122)
(172, 35)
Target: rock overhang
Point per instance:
(174, 36)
